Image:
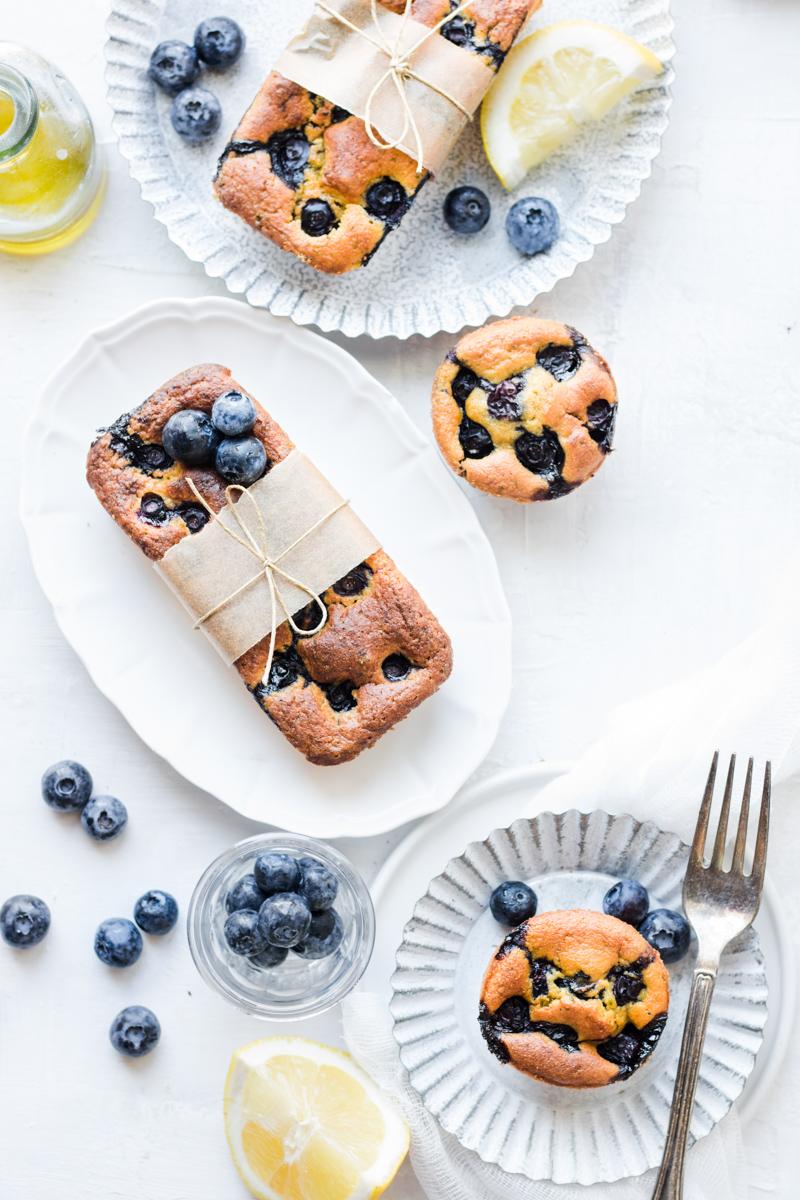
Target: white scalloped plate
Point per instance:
(425, 278)
(135, 638)
(526, 1127)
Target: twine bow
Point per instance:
(269, 567)
(398, 72)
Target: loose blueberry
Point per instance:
(386, 200)
(513, 902)
(156, 912)
(276, 872)
(241, 460)
(196, 114)
(104, 818)
(173, 66)
(233, 414)
(467, 209)
(190, 437)
(242, 932)
(395, 667)
(600, 417)
(117, 942)
(24, 921)
(669, 932)
(288, 151)
(532, 225)
(324, 936)
(219, 41)
(503, 402)
(245, 894)
(135, 1031)
(476, 441)
(273, 956)
(284, 920)
(319, 886)
(317, 218)
(627, 900)
(66, 786)
(542, 453)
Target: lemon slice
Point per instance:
(305, 1123)
(551, 84)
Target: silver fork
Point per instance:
(719, 904)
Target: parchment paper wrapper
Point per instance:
(330, 60)
(206, 568)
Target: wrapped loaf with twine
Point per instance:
(283, 578)
(364, 105)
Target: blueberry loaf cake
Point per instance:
(574, 998)
(304, 172)
(524, 408)
(381, 652)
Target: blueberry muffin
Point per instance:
(334, 693)
(524, 409)
(304, 172)
(574, 998)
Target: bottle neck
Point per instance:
(17, 101)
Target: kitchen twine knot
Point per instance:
(398, 72)
(256, 544)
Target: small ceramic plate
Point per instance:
(531, 1128)
(135, 638)
(425, 278)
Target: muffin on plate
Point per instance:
(575, 998)
(524, 408)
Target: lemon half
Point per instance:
(551, 84)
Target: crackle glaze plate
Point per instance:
(524, 1126)
(425, 278)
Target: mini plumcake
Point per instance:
(574, 998)
(304, 172)
(524, 409)
(333, 694)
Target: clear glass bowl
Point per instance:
(296, 987)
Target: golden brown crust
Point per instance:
(328, 693)
(553, 428)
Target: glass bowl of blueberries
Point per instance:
(281, 925)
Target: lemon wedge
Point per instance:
(305, 1123)
(551, 84)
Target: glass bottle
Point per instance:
(51, 174)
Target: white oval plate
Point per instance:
(425, 278)
(530, 1128)
(136, 640)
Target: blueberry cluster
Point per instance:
(174, 66)
(285, 904)
(532, 223)
(118, 942)
(67, 788)
(224, 439)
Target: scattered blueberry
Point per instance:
(117, 942)
(284, 920)
(156, 912)
(190, 437)
(104, 818)
(245, 894)
(196, 114)
(627, 900)
(319, 886)
(24, 921)
(532, 225)
(135, 1031)
(467, 209)
(219, 41)
(317, 218)
(242, 932)
(241, 460)
(273, 956)
(233, 414)
(669, 932)
(66, 786)
(173, 66)
(277, 873)
(513, 902)
(324, 936)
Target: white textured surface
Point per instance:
(665, 560)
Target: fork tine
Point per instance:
(760, 856)
(737, 866)
(699, 841)
(724, 813)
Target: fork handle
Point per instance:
(669, 1185)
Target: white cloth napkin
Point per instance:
(652, 762)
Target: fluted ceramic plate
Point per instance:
(536, 1129)
(425, 278)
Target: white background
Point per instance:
(659, 565)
